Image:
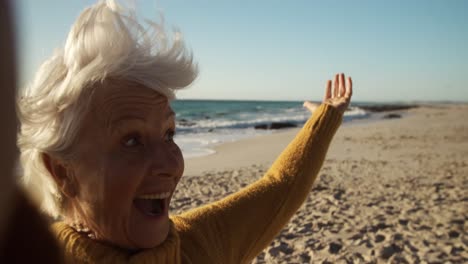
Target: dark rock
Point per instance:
(185, 122)
(276, 125)
(389, 251)
(262, 126)
(279, 125)
(391, 116)
(385, 108)
(334, 247)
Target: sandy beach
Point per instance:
(390, 191)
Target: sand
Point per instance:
(390, 191)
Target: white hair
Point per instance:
(105, 42)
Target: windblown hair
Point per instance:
(106, 42)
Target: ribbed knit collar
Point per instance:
(81, 249)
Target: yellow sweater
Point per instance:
(237, 228)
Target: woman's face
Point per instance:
(127, 166)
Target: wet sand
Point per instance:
(390, 191)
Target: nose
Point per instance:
(166, 160)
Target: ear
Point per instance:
(62, 174)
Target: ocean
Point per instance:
(203, 124)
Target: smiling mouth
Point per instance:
(152, 204)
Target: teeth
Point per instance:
(155, 196)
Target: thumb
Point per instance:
(310, 106)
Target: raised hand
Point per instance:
(338, 96)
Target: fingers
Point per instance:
(328, 90)
(336, 86)
(349, 90)
(342, 85)
(340, 89)
(310, 106)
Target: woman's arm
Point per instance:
(238, 227)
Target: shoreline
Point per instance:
(199, 132)
(226, 155)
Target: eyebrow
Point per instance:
(114, 123)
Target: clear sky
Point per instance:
(396, 50)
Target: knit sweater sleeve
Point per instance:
(237, 228)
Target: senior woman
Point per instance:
(97, 150)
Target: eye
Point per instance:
(131, 141)
(169, 137)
